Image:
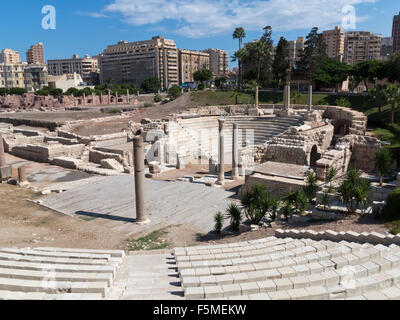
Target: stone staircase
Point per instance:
(290, 269)
(57, 273)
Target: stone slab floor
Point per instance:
(110, 202)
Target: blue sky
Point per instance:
(87, 27)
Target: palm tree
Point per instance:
(330, 177)
(392, 94)
(295, 95)
(383, 161)
(239, 34)
(235, 215)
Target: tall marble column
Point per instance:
(2, 154)
(221, 172)
(140, 183)
(127, 96)
(235, 152)
(310, 96)
(256, 96)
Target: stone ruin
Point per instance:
(30, 101)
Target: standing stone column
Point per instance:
(221, 172)
(256, 96)
(235, 152)
(286, 96)
(127, 96)
(116, 97)
(310, 95)
(109, 96)
(2, 154)
(84, 99)
(22, 176)
(93, 96)
(101, 98)
(140, 184)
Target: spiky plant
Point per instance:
(235, 215)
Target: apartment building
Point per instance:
(9, 56)
(86, 67)
(334, 43)
(362, 46)
(190, 62)
(134, 62)
(12, 75)
(396, 33)
(35, 54)
(294, 48)
(218, 61)
(35, 77)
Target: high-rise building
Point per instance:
(362, 46)
(190, 62)
(396, 33)
(334, 43)
(133, 62)
(86, 67)
(9, 56)
(35, 55)
(218, 61)
(294, 49)
(386, 48)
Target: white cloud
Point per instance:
(93, 14)
(203, 18)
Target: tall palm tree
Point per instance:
(383, 162)
(239, 34)
(392, 94)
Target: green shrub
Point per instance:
(235, 215)
(219, 221)
(287, 209)
(391, 211)
(174, 92)
(311, 186)
(157, 98)
(343, 102)
(299, 201)
(256, 203)
(148, 105)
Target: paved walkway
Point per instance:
(110, 201)
(147, 277)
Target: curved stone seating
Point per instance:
(57, 273)
(290, 268)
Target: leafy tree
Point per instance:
(392, 94)
(219, 222)
(256, 203)
(202, 76)
(239, 34)
(311, 54)
(329, 72)
(378, 96)
(383, 162)
(369, 70)
(18, 91)
(219, 82)
(392, 68)
(235, 215)
(174, 92)
(72, 91)
(281, 64)
(151, 85)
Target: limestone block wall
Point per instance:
(97, 156)
(363, 152)
(45, 153)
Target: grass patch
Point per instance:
(394, 227)
(113, 110)
(152, 241)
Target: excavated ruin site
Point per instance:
(77, 157)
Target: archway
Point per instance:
(342, 127)
(314, 156)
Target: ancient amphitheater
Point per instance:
(275, 145)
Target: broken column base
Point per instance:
(23, 184)
(5, 173)
(285, 113)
